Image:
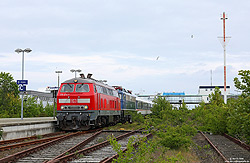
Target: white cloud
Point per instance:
(121, 40)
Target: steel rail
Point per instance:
(18, 145)
(26, 152)
(237, 141)
(89, 149)
(76, 147)
(217, 150)
(110, 159)
(28, 138)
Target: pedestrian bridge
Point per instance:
(176, 99)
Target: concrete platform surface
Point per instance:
(18, 121)
(13, 128)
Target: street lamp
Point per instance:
(27, 50)
(58, 72)
(73, 70)
(55, 92)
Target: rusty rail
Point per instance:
(237, 141)
(110, 159)
(76, 147)
(217, 150)
(18, 145)
(89, 149)
(39, 147)
(28, 138)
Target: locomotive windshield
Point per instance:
(67, 88)
(82, 88)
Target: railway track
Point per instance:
(32, 149)
(228, 149)
(27, 142)
(97, 152)
(66, 147)
(13, 146)
(12, 141)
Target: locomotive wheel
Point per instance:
(99, 122)
(104, 121)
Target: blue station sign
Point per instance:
(22, 82)
(22, 88)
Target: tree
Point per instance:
(8, 93)
(238, 122)
(216, 98)
(161, 104)
(7, 84)
(244, 84)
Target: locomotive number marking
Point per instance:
(73, 100)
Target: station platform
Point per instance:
(13, 128)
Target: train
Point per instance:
(132, 102)
(84, 103)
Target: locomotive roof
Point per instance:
(86, 80)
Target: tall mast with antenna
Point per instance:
(224, 42)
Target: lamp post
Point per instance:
(58, 72)
(73, 70)
(27, 50)
(55, 92)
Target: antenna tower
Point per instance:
(224, 41)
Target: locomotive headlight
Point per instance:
(84, 107)
(62, 107)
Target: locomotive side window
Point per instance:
(110, 92)
(98, 89)
(104, 90)
(82, 88)
(67, 88)
(115, 93)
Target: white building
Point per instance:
(205, 91)
(46, 98)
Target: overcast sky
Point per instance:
(146, 46)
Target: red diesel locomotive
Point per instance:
(83, 103)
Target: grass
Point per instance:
(126, 126)
(176, 156)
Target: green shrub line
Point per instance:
(173, 128)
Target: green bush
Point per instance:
(174, 139)
(238, 121)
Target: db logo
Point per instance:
(73, 100)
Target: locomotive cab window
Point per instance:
(67, 88)
(82, 88)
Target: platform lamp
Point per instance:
(55, 92)
(27, 50)
(58, 72)
(73, 70)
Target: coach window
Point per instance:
(82, 88)
(67, 88)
